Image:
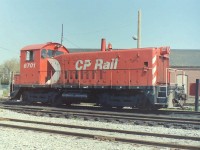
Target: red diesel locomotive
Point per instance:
(137, 77)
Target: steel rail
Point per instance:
(102, 129)
(118, 116)
(125, 111)
(179, 112)
(161, 112)
(100, 137)
(61, 111)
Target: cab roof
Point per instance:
(41, 46)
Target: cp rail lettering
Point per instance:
(99, 64)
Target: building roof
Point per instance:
(75, 50)
(185, 58)
(178, 57)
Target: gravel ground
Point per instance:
(12, 139)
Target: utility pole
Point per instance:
(197, 96)
(139, 30)
(61, 35)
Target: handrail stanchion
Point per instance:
(166, 80)
(111, 79)
(79, 84)
(51, 78)
(175, 75)
(129, 78)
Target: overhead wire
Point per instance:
(102, 29)
(4, 48)
(71, 42)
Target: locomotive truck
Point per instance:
(137, 77)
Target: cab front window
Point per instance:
(47, 53)
(59, 53)
(43, 53)
(50, 53)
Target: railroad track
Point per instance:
(117, 117)
(171, 112)
(106, 133)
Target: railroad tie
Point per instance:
(4, 119)
(104, 138)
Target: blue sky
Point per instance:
(174, 23)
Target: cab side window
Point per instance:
(29, 55)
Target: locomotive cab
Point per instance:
(37, 65)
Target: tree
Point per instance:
(7, 68)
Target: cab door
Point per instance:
(163, 64)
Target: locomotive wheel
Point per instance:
(106, 106)
(57, 101)
(68, 103)
(155, 107)
(145, 104)
(119, 107)
(23, 96)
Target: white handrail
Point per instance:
(171, 70)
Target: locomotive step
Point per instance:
(161, 99)
(162, 94)
(163, 88)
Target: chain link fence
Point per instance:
(5, 80)
(4, 91)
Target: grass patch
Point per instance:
(6, 93)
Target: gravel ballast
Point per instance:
(23, 139)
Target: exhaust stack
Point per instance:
(103, 45)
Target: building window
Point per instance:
(29, 55)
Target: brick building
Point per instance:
(189, 61)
